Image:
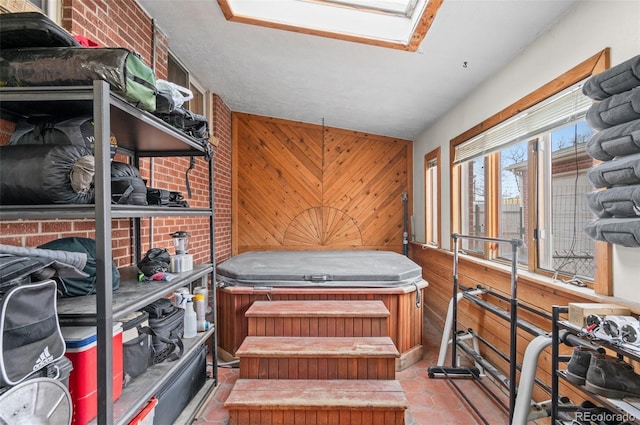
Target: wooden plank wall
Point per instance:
(305, 186)
(437, 269)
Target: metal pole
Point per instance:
(555, 352)
(514, 327)
(405, 233)
(454, 316)
(527, 378)
(104, 255)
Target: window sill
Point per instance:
(545, 283)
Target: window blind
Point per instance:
(566, 107)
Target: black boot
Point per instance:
(578, 365)
(611, 377)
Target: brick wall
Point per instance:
(221, 123)
(113, 23)
(122, 23)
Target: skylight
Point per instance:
(400, 24)
(391, 7)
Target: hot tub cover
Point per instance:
(319, 268)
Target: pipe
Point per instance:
(446, 333)
(527, 378)
(504, 314)
(405, 232)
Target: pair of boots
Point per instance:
(603, 375)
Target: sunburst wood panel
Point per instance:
(302, 186)
(279, 173)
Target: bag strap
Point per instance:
(192, 163)
(124, 198)
(166, 354)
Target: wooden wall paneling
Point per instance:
(302, 186)
(273, 189)
(365, 178)
(437, 269)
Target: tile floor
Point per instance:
(431, 401)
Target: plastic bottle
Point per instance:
(190, 322)
(199, 306)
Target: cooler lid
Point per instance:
(81, 336)
(319, 268)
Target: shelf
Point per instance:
(139, 134)
(141, 389)
(135, 129)
(628, 406)
(70, 211)
(603, 340)
(130, 296)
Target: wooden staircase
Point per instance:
(317, 363)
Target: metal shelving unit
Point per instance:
(456, 371)
(140, 134)
(564, 332)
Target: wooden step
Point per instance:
(272, 357)
(318, 318)
(316, 402)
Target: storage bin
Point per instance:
(60, 370)
(83, 381)
(145, 417)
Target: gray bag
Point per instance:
(624, 170)
(31, 336)
(617, 231)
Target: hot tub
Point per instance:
(322, 275)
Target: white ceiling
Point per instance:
(308, 78)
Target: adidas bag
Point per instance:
(31, 336)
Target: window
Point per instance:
(563, 246)
(398, 24)
(473, 203)
(178, 74)
(51, 8)
(514, 199)
(525, 178)
(432, 197)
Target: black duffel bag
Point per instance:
(78, 130)
(127, 186)
(46, 174)
(123, 69)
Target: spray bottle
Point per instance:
(190, 321)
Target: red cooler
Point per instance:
(83, 381)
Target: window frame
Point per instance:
(434, 155)
(603, 281)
